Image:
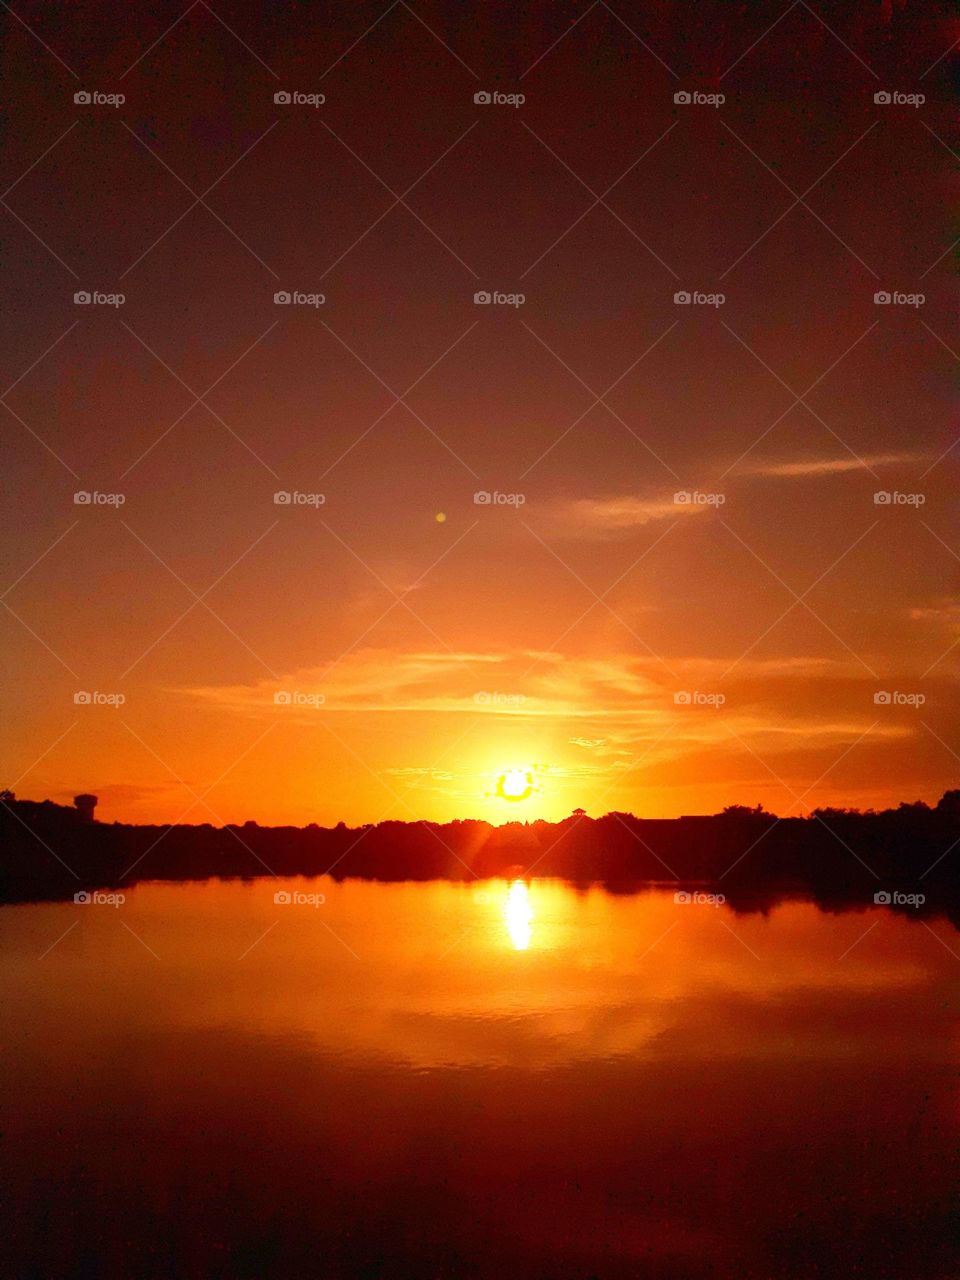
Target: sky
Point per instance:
(622, 547)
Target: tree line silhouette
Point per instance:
(50, 850)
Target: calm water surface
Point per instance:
(439, 1080)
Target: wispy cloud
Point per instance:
(492, 683)
(826, 466)
(944, 611)
(614, 515)
(596, 692)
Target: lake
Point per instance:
(306, 1078)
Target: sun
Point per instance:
(515, 784)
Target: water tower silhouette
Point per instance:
(85, 807)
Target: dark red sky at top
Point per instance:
(597, 199)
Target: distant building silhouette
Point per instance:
(85, 807)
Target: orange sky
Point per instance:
(424, 657)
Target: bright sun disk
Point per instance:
(515, 784)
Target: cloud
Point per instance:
(504, 683)
(615, 515)
(945, 611)
(630, 699)
(826, 466)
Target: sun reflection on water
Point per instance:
(519, 914)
